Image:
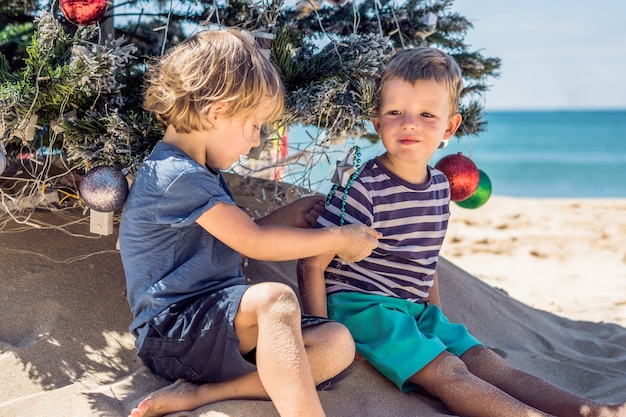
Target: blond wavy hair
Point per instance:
(209, 67)
(422, 64)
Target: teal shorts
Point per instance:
(396, 336)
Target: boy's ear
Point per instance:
(216, 109)
(453, 125)
(376, 121)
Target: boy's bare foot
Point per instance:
(605, 410)
(614, 410)
(179, 396)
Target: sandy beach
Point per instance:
(541, 281)
(565, 256)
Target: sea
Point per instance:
(544, 154)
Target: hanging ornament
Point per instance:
(345, 174)
(104, 188)
(480, 196)
(83, 12)
(262, 40)
(462, 174)
(429, 20)
(347, 167)
(3, 161)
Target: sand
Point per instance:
(543, 282)
(566, 256)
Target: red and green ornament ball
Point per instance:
(83, 12)
(480, 196)
(462, 175)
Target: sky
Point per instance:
(556, 54)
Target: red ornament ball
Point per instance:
(462, 174)
(83, 12)
(480, 196)
(104, 188)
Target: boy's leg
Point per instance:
(322, 342)
(532, 390)
(414, 336)
(464, 393)
(269, 318)
(329, 348)
(183, 395)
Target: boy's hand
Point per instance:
(310, 209)
(360, 242)
(300, 213)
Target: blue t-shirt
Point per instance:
(413, 220)
(167, 256)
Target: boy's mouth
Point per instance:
(409, 141)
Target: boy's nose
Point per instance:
(409, 121)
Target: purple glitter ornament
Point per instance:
(104, 188)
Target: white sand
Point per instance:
(65, 350)
(560, 255)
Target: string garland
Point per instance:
(346, 173)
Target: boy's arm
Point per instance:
(276, 242)
(312, 286)
(433, 295)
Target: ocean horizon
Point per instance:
(525, 153)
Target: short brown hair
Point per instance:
(208, 67)
(424, 63)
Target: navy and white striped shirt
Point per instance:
(413, 220)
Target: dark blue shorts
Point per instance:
(197, 340)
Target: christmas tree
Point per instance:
(71, 75)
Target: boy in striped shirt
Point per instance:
(390, 300)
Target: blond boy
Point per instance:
(182, 238)
(390, 300)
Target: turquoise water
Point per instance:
(526, 153)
